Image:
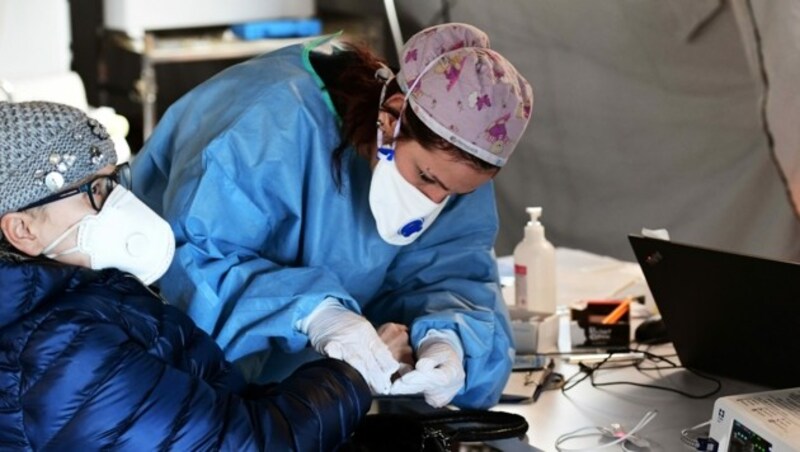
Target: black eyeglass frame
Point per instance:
(120, 176)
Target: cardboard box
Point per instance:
(537, 334)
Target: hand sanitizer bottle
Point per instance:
(535, 268)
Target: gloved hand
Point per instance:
(339, 333)
(395, 336)
(439, 371)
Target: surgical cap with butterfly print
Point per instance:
(464, 91)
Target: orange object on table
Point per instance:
(618, 312)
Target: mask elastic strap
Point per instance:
(381, 74)
(60, 239)
(384, 74)
(411, 90)
(388, 151)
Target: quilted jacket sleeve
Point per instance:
(90, 387)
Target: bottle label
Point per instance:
(521, 286)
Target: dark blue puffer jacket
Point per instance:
(92, 360)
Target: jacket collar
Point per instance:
(28, 284)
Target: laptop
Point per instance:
(728, 314)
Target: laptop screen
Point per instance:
(729, 314)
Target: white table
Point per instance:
(556, 413)
(580, 276)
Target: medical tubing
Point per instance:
(649, 416)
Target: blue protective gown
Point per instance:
(241, 168)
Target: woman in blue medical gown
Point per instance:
(315, 195)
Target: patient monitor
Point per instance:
(763, 421)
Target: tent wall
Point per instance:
(646, 115)
(771, 37)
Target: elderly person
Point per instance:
(91, 358)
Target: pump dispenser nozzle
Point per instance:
(534, 230)
(535, 213)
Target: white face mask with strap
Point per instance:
(126, 235)
(402, 212)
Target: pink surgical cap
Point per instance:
(465, 92)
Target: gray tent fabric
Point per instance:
(771, 36)
(640, 120)
(692, 15)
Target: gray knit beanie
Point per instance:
(45, 148)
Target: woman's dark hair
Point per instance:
(349, 77)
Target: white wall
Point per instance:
(34, 38)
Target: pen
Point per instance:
(617, 313)
(548, 370)
(607, 357)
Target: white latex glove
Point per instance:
(439, 371)
(395, 336)
(339, 333)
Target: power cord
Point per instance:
(586, 371)
(698, 441)
(615, 432)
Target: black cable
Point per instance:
(638, 349)
(589, 372)
(584, 369)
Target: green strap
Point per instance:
(307, 48)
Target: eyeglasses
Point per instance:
(98, 188)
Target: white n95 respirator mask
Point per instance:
(402, 212)
(126, 235)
